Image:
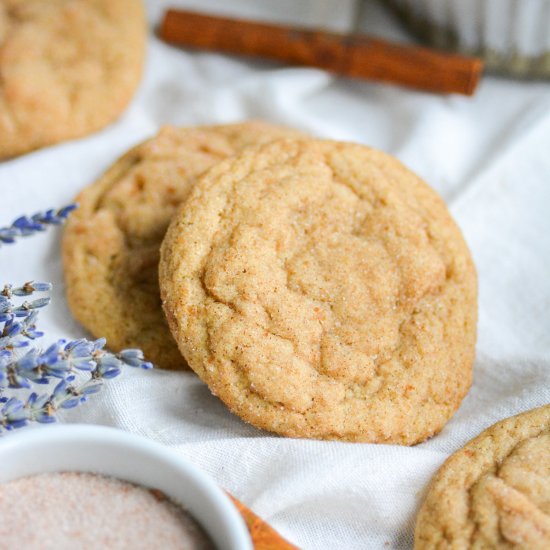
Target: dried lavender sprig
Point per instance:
(16, 413)
(29, 225)
(8, 310)
(26, 289)
(14, 333)
(62, 360)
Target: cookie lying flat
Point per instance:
(68, 67)
(111, 242)
(322, 290)
(495, 492)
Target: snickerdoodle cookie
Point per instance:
(111, 242)
(495, 492)
(67, 68)
(323, 290)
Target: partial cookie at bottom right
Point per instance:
(495, 492)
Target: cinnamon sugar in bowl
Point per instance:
(139, 486)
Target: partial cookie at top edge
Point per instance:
(494, 492)
(111, 242)
(322, 290)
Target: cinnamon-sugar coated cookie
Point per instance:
(111, 242)
(322, 290)
(68, 68)
(495, 492)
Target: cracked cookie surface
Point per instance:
(67, 68)
(495, 492)
(322, 290)
(111, 242)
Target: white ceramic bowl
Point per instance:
(112, 452)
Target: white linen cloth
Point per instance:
(489, 158)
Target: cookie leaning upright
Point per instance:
(323, 290)
(68, 67)
(111, 242)
(495, 492)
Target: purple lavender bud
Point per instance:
(16, 423)
(66, 210)
(32, 334)
(31, 319)
(7, 235)
(80, 349)
(28, 288)
(19, 344)
(132, 357)
(51, 355)
(99, 344)
(84, 364)
(108, 366)
(79, 353)
(32, 399)
(60, 390)
(17, 381)
(90, 390)
(59, 369)
(27, 225)
(107, 361)
(40, 302)
(13, 406)
(70, 403)
(47, 216)
(110, 373)
(21, 311)
(37, 402)
(12, 329)
(41, 286)
(44, 417)
(29, 361)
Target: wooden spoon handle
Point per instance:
(263, 535)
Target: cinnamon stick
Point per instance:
(264, 537)
(348, 55)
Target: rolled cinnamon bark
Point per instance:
(347, 55)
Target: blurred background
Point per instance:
(512, 37)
